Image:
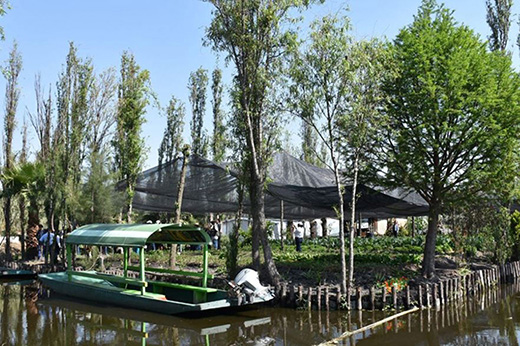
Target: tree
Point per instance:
(218, 145)
(358, 126)
(499, 20)
(171, 144)
(254, 36)
(21, 198)
(451, 115)
(27, 180)
(12, 95)
(98, 201)
(4, 6)
(128, 145)
(178, 203)
(310, 144)
(318, 95)
(336, 91)
(197, 85)
(69, 140)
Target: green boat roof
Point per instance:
(137, 235)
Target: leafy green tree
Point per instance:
(42, 123)
(359, 125)
(310, 153)
(12, 95)
(218, 145)
(499, 20)
(452, 125)
(98, 200)
(99, 203)
(197, 85)
(318, 95)
(26, 180)
(172, 142)
(69, 143)
(255, 37)
(336, 91)
(133, 97)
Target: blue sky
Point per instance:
(166, 38)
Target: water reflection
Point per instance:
(30, 316)
(489, 319)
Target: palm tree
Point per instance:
(27, 180)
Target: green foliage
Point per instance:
(12, 93)
(449, 95)
(99, 202)
(246, 237)
(134, 92)
(197, 86)
(172, 141)
(231, 247)
(421, 224)
(27, 179)
(309, 150)
(515, 235)
(255, 36)
(64, 150)
(219, 141)
(500, 230)
(499, 21)
(428, 133)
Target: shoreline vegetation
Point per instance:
(383, 265)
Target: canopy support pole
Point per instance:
(205, 266)
(141, 268)
(125, 261)
(69, 260)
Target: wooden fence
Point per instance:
(425, 295)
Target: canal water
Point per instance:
(30, 315)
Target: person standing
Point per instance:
(214, 234)
(298, 236)
(395, 228)
(32, 242)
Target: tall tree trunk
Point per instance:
(428, 267)
(32, 224)
(232, 253)
(21, 206)
(257, 198)
(129, 209)
(259, 229)
(341, 217)
(180, 194)
(351, 233)
(281, 224)
(7, 218)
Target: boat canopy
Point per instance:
(137, 235)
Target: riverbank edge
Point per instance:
(426, 294)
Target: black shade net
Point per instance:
(307, 191)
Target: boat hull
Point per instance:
(102, 291)
(14, 274)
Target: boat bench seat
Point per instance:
(146, 294)
(183, 286)
(188, 293)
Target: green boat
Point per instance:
(16, 274)
(140, 293)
